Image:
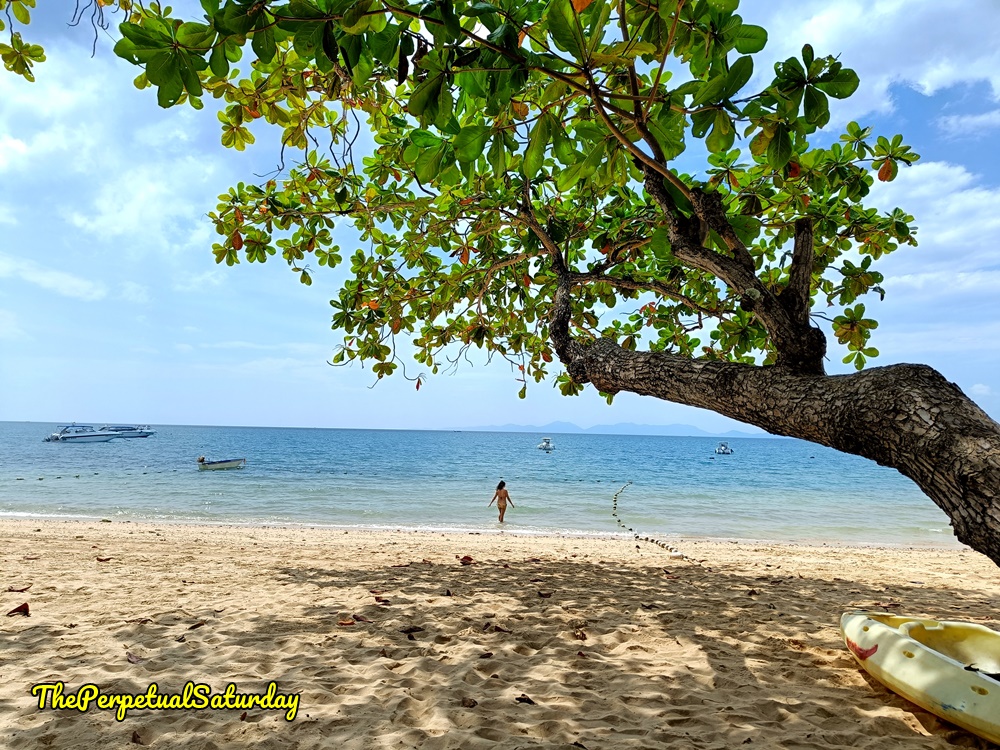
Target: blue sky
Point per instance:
(112, 307)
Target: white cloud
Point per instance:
(957, 215)
(11, 150)
(979, 389)
(9, 328)
(925, 339)
(135, 293)
(60, 282)
(925, 44)
(970, 125)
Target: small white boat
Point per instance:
(723, 449)
(546, 445)
(129, 430)
(951, 669)
(230, 463)
(80, 433)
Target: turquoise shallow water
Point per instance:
(770, 489)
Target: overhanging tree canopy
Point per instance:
(523, 196)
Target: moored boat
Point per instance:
(230, 463)
(951, 669)
(80, 433)
(546, 445)
(723, 449)
(129, 430)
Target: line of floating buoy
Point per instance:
(674, 552)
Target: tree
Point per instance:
(529, 170)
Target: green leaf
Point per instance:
(263, 44)
(218, 61)
(428, 165)
(817, 108)
(724, 6)
(564, 28)
(841, 84)
(668, 129)
(425, 95)
(195, 35)
(538, 141)
(568, 177)
(711, 91)
(779, 150)
(471, 142)
(21, 13)
(424, 139)
(750, 39)
(739, 73)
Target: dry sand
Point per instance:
(614, 647)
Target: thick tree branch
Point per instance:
(800, 347)
(908, 417)
(799, 290)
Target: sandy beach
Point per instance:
(390, 641)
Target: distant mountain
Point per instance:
(622, 428)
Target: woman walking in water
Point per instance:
(502, 498)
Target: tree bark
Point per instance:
(905, 416)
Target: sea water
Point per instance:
(768, 489)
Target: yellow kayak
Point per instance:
(952, 669)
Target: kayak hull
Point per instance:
(944, 667)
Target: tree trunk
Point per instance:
(908, 417)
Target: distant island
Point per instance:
(622, 428)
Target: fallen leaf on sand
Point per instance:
(486, 655)
(17, 590)
(360, 618)
(466, 560)
(136, 739)
(133, 658)
(243, 716)
(522, 698)
(381, 600)
(180, 638)
(103, 559)
(21, 610)
(197, 625)
(545, 594)
(469, 703)
(345, 623)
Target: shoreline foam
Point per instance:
(617, 648)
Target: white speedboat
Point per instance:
(81, 433)
(546, 445)
(129, 430)
(723, 449)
